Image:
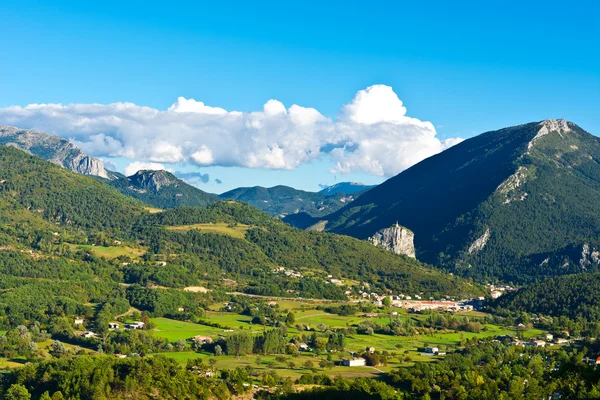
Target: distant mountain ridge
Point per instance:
(346, 187)
(54, 149)
(162, 189)
(282, 200)
(512, 204)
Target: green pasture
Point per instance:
(236, 231)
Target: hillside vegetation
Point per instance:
(514, 205)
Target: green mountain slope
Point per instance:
(37, 189)
(572, 296)
(73, 222)
(162, 189)
(284, 201)
(512, 204)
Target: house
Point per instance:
(354, 362)
(161, 263)
(202, 339)
(135, 325)
(371, 315)
(432, 350)
(89, 335)
(120, 355)
(181, 309)
(113, 325)
(79, 321)
(303, 347)
(597, 360)
(371, 350)
(117, 242)
(548, 336)
(537, 343)
(561, 341)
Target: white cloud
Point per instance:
(372, 133)
(203, 156)
(136, 166)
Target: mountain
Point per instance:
(38, 195)
(161, 189)
(56, 224)
(512, 204)
(346, 188)
(283, 200)
(574, 296)
(54, 149)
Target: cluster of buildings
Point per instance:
(111, 326)
(497, 291)
(547, 339)
(416, 303)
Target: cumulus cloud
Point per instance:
(136, 166)
(371, 133)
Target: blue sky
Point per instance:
(467, 67)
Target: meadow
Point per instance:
(110, 252)
(237, 231)
(407, 349)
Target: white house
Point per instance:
(548, 336)
(89, 334)
(79, 321)
(537, 343)
(432, 350)
(135, 325)
(354, 362)
(303, 347)
(113, 325)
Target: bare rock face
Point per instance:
(397, 239)
(54, 149)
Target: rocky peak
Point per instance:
(153, 180)
(396, 238)
(550, 125)
(54, 149)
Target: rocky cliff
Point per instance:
(54, 149)
(396, 239)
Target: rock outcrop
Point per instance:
(397, 239)
(54, 149)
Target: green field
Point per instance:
(402, 346)
(109, 252)
(237, 231)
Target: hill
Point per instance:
(34, 190)
(55, 149)
(161, 189)
(572, 296)
(283, 201)
(73, 222)
(346, 188)
(513, 204)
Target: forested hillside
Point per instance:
(572, 296)
(59, 214)
(515, 204)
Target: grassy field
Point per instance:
(110, 252)
(153, 210)
(237, 231)
(402, 346)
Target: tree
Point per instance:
(386, 301)
(17, 392)
(181, 345)
(218, 350)
(290, 319)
